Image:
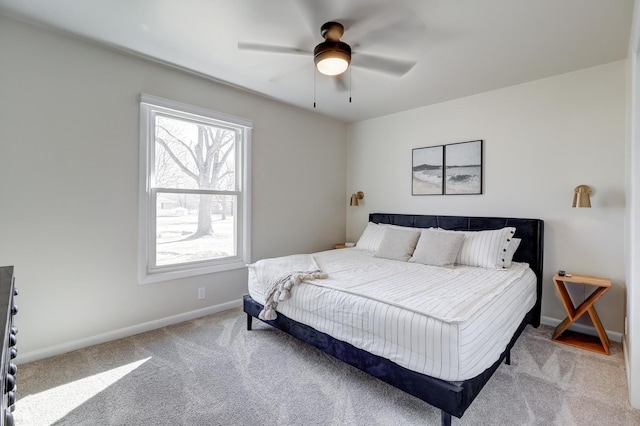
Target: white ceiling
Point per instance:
(462, 47)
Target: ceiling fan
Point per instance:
(333, 56)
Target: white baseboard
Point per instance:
(625, 352)
(580, 328)
(123, 332)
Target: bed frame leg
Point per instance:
(249, 322)
(507, 360)
(445, 418)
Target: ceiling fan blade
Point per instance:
(259, 47)
(341, 82)
(385, 65)
(314, 13)
(396, 33)
(363, 19)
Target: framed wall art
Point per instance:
(463, 168)
(427, 171)
(450, 169)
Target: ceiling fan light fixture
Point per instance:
(332, 58)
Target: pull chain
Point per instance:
(349, 84)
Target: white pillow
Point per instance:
(485, 248)
(371, 237)
(510, 251)
(437, 248)
(404, 228)
(398, 244)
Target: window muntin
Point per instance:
(195, 193)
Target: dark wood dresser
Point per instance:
(8, 369)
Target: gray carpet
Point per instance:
(211, 371)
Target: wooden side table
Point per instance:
(339, 246)
(598, 343)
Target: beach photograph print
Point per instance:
(427, 171)
(463, 168)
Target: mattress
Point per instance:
(448, 323)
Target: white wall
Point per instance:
(541, 139)
(69, 179)
(632, 339)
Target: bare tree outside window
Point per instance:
(192, 155)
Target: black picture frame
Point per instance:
(451, 169)
(463, 168)
(427, 171)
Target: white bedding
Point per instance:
(449, 323)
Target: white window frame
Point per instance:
(150, 106)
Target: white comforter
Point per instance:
(450, 323)
(446, 294)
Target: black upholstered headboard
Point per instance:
(530, 231)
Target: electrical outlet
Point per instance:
(201, 293)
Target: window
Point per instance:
(194, 190)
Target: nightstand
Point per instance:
(599, 343)
(339, 246)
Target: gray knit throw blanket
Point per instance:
(279, 275)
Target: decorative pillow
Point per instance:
(510, 251)
(437, 248)
(371, 237)
(398, 244)
(485, 248)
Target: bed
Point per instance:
(449, 386)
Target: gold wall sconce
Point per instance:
(581, 196)
(355, 197)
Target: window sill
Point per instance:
(176, 275)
